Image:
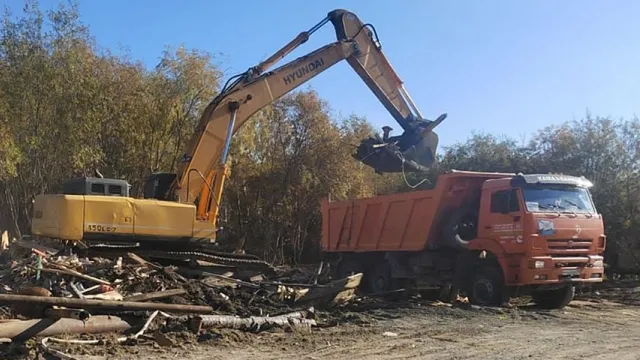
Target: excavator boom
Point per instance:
(165, 224)
(202, 172)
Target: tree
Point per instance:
(67, 108)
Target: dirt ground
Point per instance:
(602, 325)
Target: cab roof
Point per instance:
(496, 179)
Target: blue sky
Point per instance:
(495, 66)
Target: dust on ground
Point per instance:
(601, 324)
(587, 329)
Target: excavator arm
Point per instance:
(204, 167)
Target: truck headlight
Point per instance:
(598, 263)
(539, 264)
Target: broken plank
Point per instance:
(63, 270)
(142, 261)
(336, 291)
(156, 295)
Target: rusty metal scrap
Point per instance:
(104, 304)
(25, 329)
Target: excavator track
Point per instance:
(159, 252)
(248, 262)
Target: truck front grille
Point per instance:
(569, 246)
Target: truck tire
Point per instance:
(554, 299)
(486, 287)
(445, 293)
(461, 227)
(378, 278)
(348, 266)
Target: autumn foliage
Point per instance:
(68, 106)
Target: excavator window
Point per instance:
(157, 185)
(115, 189)
(97, 188)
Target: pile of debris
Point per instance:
(45, 294)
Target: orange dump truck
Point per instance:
(486, 235)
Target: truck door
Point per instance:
(504, 217)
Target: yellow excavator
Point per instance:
(176, 219)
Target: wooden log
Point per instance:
(103, 304)
(156, 295)
(253, 323)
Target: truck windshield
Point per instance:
(562, 199)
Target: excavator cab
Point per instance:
(413, 151)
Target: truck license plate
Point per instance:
(571, 272)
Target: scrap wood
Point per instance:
(252, 323)
(156, 295)
(161, 339)
(99, 267)
(107, 295)
(207, 275)
(4, 242)
(316, 276)
(76, 290)
(104, 304)
(222, 280)
(337, 291)
(170, 271)
(59, 269)
(94, 287)
(142, 261)
(292, 284)
(25, 242)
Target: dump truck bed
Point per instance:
(398, 222)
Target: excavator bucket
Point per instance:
(389, 158)
(413, 151)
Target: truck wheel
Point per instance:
(347, 267)
(446, 294)
(461, 227)
(554, 299)
(378, 278)
(486, 287)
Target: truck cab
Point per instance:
(544, 231)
